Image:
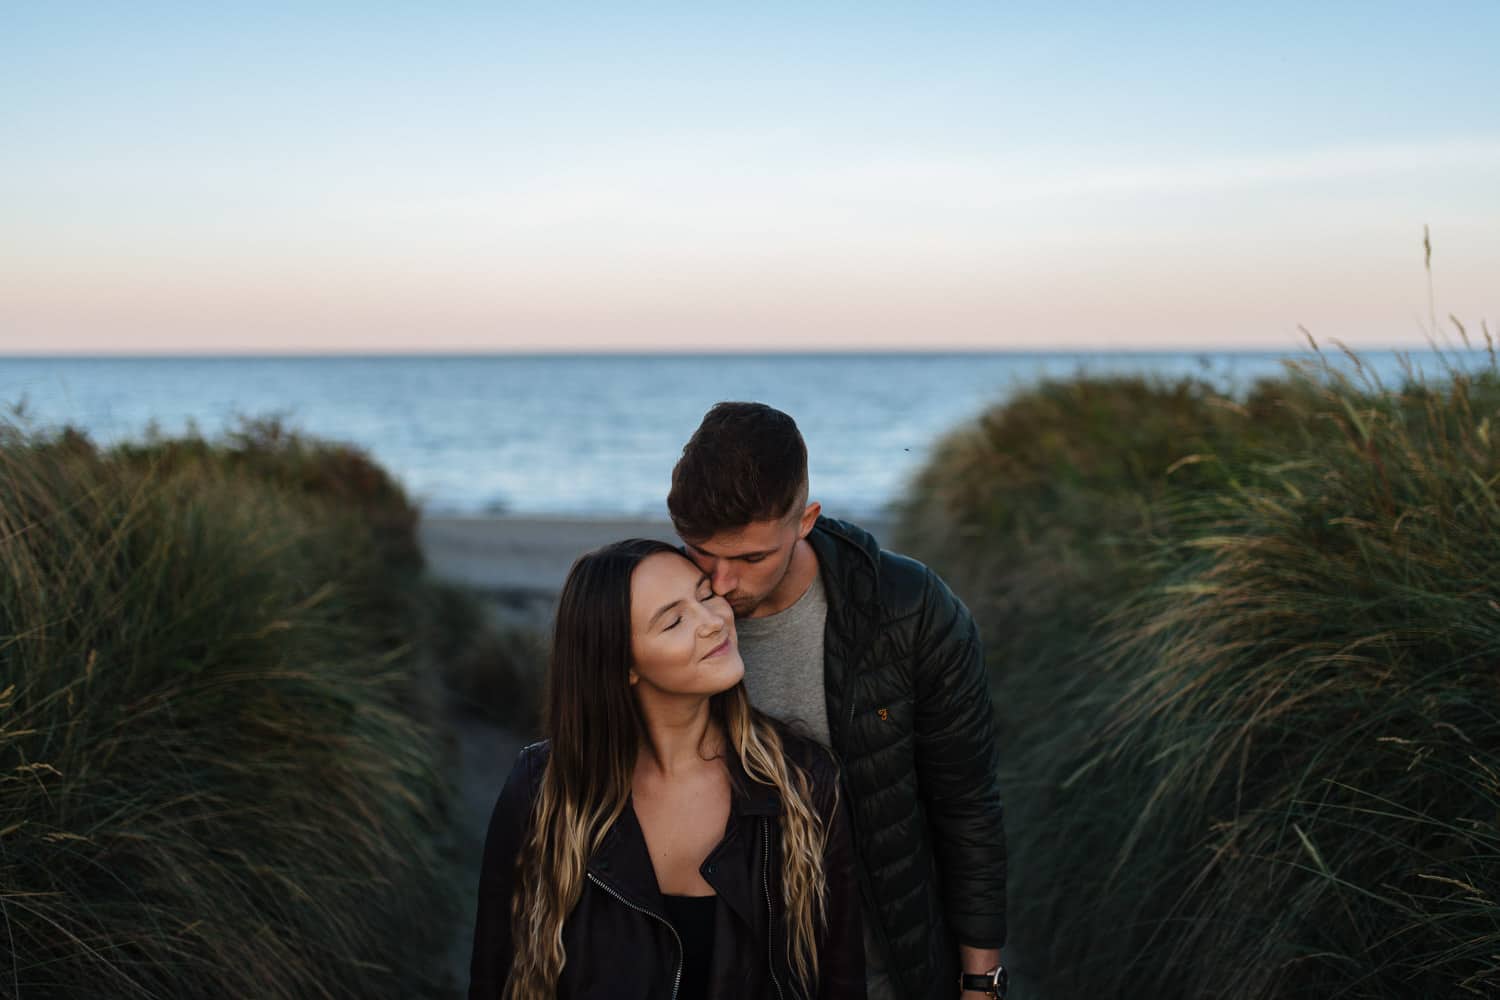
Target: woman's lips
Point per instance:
(717, 649)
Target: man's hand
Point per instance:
(976, 961)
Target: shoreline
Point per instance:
(526, 558)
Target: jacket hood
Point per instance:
(849, 560)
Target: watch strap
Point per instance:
(992, 983)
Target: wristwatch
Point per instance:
(991, 984)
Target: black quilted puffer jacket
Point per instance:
(911, 720)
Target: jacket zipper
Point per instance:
(864, 877)
(765, 872)
(677, 976)
(849, 718)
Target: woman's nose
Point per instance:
(712, 622)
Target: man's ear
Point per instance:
(809, 518)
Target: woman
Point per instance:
(668, 840)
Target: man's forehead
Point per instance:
(757, 536)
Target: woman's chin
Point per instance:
(727, 673)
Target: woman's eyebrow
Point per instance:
(663, 610)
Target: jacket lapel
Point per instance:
(733, 868)
(623, 861)
(623, 864)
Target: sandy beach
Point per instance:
(521, 555)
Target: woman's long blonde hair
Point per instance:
(596, 732)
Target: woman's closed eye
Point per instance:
(704, 596)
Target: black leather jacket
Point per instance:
(619, 943)
(911, 720)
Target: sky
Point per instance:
(374, 177)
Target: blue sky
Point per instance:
(456, 177)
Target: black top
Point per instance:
(693, 919)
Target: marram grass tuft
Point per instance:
(215, 778)
(1252, 713)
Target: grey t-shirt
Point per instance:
(783, 656)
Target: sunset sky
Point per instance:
(377, 177)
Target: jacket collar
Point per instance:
(748, 797)
(849, 561)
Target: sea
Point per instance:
(584, 435)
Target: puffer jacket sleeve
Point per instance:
(841, 949)
(957, 760)
(489, 965)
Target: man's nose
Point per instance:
(724, 578)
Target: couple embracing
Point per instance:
(770, 765)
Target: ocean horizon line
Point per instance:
(1256, 352)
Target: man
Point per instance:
(870, 653)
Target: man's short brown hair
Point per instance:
(745, 462)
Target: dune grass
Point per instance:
(216, 771)
(492, 670)
(1245, 654)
